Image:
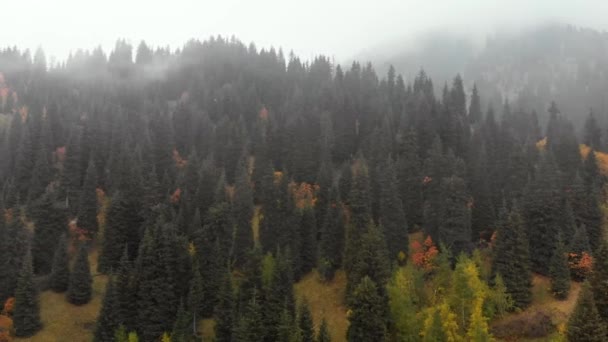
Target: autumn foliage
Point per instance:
(580, 265)
(304, 194)
(424, 255)
(180, 162)
(601, 157)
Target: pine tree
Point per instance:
(26, 314)
(541, 212)
(126, 311)
(323, 335)
(16, 241)
(475, 107)
(308, 245)
(392, 216)
(183, 326)
(367, 321)
(243, 213)
(331, 245)
(409, 178)
(559, 271)
(305, 323)
(80, 287)
(512, 260)
(107, 321)
(455, 229)
(196, 295)
(50, 223)
(225, 313)
(360, 208)
(87, 208)
(585, 323)
(599, 280)
(60, 271)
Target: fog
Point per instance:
(337, 28)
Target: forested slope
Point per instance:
(211, 179)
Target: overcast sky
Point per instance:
(339, 28)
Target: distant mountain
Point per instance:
(529, 69)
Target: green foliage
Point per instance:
(404, 304)
(367, 319)
(323, 335)
(87, 207)
(511, 259)
(560, 273)
(392, 216)
(26, 314)
(60, 270)
(305, 323)
(599, 280)
(107, 321)
(225, 313)
(80, 289)
(50, 223)
(585, 323)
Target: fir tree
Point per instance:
(455, 229)
(184, 327)
(80, 286)
(331, 245)
(585, 323)
(409, 178)
(225, 313)
(559, 271)
(50, 224)
(305, 323)
(26, 314)
(323, 335)
(196, 294)
(392, 216)
(87, 208)
(367, 321)
(60, 271)
(512, 259)
(308, 233)
(107, 321)
(599, 280)
(243, 213)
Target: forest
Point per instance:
(214, 192)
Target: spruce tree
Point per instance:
(599, 280)
(195, 294)
(243, 213)
(16, 241)
(87, 208)
(585, 323)
(184, 327)
(308, 245)
(80, 287)
(107, 321)
(409, 178)
(26, 314)
(126, 310)
(305, 323)
(367, 322)
(392, 216)
(455, 228)
(50, 223)
(323, 335)
(331, 245)
(225, 312)
(360, 209)
(60, 270)
(559, 271)
(512, 258)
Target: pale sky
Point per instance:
(338, 28)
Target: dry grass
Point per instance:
(326, 301)
(63, 321)
(543, 301)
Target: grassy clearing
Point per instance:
(326, 301)
(543, 302)
(63, 321)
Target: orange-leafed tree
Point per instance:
(424, 254)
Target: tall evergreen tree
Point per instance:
(50, 223)
(512, 258)
(323, 335)
(80, 289)
(392, 216)
(331, 245)
(87, 208)
(308, 245)
(26, 314)
(455, 229)
(367, 322)
(585, 323)
(225, 313)
(60, 270)
(243, 213)
(305, 323)
(599, 280)
(107, 321)
(560, 273)
(409, 178)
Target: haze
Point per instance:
(339, 28)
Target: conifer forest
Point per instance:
(226, 192)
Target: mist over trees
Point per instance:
(210, 179)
